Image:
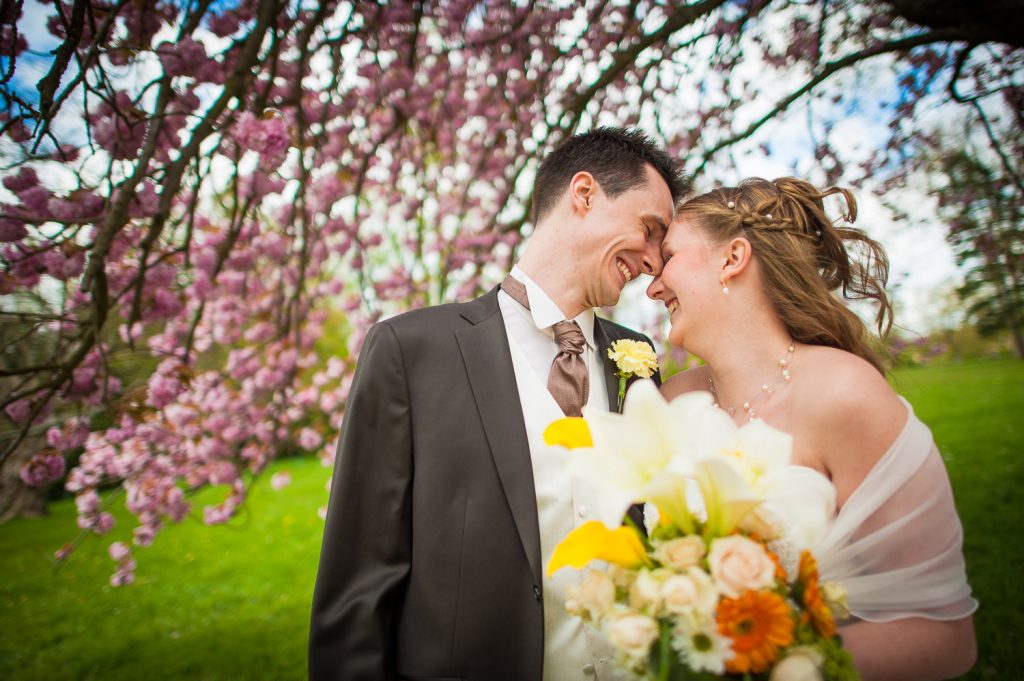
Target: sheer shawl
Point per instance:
(896, 542)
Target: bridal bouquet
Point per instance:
(723, 584)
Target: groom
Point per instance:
(446, 503)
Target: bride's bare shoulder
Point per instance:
(836, 380)
(685, 382)
(853, 412)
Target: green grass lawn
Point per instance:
(233, 602)
(228, 602)
(976, 413)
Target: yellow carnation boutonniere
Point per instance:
(632, 358)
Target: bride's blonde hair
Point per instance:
(804, 258)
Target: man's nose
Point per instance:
(651, 262)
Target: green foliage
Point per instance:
(967, 343)
(984, 211)
(334, 341)
(949, 345)
(838, 662)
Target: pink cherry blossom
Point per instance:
(119, 551)
(310, 439)
(25, 178)
(12, 230)
(104, 522)
(181, 57)
(42, 469)
(19, 411)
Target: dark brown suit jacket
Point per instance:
(431, 565)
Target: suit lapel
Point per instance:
(604, 337)
(485, 352)
(604, 341)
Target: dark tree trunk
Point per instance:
(979, 21)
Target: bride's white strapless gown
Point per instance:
(896, 544)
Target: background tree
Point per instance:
(985, 214)
(217, 187)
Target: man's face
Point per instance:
(621, 239)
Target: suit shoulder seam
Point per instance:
(401, 361)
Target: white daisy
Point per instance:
(700, 644)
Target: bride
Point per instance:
(749, 280)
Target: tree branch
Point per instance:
(826, 72)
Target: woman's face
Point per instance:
(689, 285)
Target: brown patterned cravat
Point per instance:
(568, 380)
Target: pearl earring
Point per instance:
(725, 289)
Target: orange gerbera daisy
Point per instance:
(759, 624)
(817, 610)
(808, 569)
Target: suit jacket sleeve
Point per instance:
(365, 557)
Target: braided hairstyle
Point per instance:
(804, 258)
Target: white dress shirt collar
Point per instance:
(546, 313)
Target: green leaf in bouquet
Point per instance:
(838, 661)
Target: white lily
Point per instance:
(742, 467)
(641, 454)
(655, 450)
(803, 500)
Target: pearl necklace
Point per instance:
(766, 389)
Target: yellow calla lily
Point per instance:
(570, 432)
(594, 541)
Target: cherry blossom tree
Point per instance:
(199, 196)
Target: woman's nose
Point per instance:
(655, 290)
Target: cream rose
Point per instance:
(633, 357)
(835, 596)
(596, 593)
(633, 634)
(682, 553)
(739, 564)
(762, 523)
(621, 577)
(645, 593)
(800, 664)
(573, 605)
(689, 593)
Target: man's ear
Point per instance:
(736, 257)
(583, 189)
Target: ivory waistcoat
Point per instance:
(572, 649)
